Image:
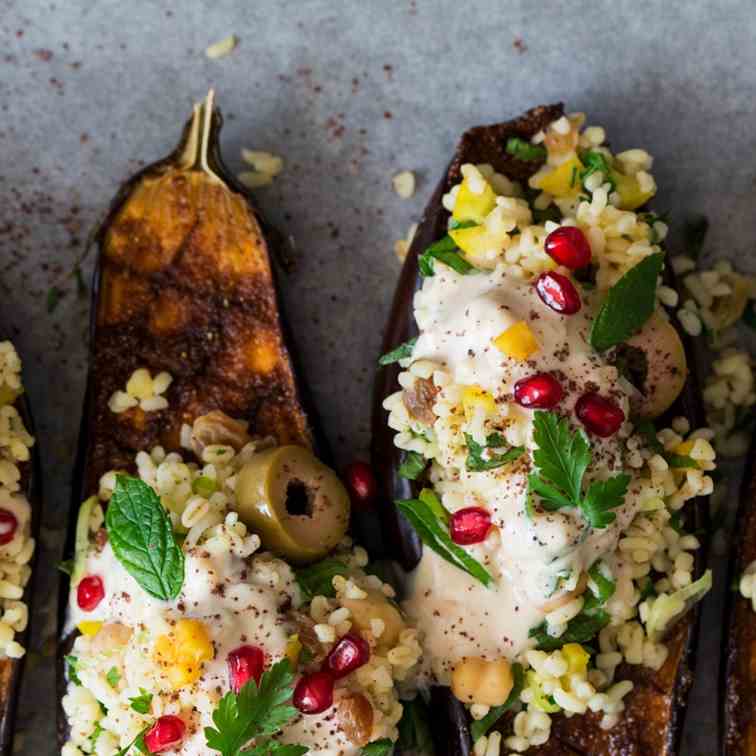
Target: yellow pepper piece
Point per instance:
(540, 701)
(475, 241)
(470, 206)
(474, 397)
(631, 196)
(563, 181)
(89, 627)
(684, 449)
(517, 342)
(576, 657)
(293, 649)
(182, 651)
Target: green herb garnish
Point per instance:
(400, 353)
(255, 712)
(525, 151)
(141, 703)
(381, 747)
(140, 533)
(561, 459)
(414, 728)
(476, 462)
(445, 250)
(604, 585)
(628, 305)
(413, 465)
(317, 579)
(137, 743)
(66, 566)
(113, 676)
(481, 726)
(204, 486)
(72, 669)
(595, 161)
(434, 533)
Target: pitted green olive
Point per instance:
(296, 504)
(665, 363)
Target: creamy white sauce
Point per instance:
(459, 316)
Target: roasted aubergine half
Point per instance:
(20, 505)
(536, 424)
(215, 603)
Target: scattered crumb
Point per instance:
(404, 184)
(266, 167)
(519, 45)
(254, 179)
(222, 48)
(401, 247)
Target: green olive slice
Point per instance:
(296, 504)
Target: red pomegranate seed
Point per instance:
(8, 526)
(90, 592)
(600, 416)
(540, 391)
(165, 734)
(244, 663)
(361, 484)
(569, 247)
(349, 653)
(469, 525)
(558, 292)
(314, 693)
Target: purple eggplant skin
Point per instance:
(11, 670)
(655, 709)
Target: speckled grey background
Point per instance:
(349, 94)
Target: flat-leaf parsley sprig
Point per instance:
(561, 458)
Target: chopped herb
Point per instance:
(113, 676)
(446, 251)
(595, 161)
(381, 747)
(695, 232)
(412, 465)
(646, 428)
(605, 586)
(647, 589)
(476, 462)
(433, 532)
(137, 743)
(204, 486)
(317, 579)
(481, 726)
(72, 668)
(573, 176)
(141, 703)
(628, 305)
(98, 730)
(66, 566)
(678, 461)
(525, 151)
(54, 295)
(580, 629)
(414, 727)
(676, 522)
(400, 353)
(550, 213)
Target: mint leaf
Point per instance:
(580, 629)
(628, 305)
(381, 747)
(434, 534)
(400, 353)
(113, 676)
(412, 465)
(446, 251)
(141, 703)
(477, 463)
(525, 151)
(414, 727)
(481, 726)
(317, 579)
(602, 497)
(141, 535)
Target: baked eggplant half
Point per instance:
(20, 505)
(215, 602)
(537, 426)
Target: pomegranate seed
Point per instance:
(244, 663)
(350, 653)
(540, 391)
(600, 416)
(90, 592)
(569, 247)
(558, 292)
(361, 484)
(469, 525)
(8, 526)
(314, 693)
(165, 734)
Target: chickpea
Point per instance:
(478, 681)
(376, 606)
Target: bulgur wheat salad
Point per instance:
(549, 504)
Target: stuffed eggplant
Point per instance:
(539, 429)
(20, 504)
(215, 603)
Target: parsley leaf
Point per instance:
(481, 726)
(414, 730)
(271, 748)
(412, 465)
(140, 532)
(476, 462)
(113, 676)
(433, 532)
(381, 747)
(602, 497)
(141, 703)
(524, 150)
(446, 251)
(317, 579)
(254, 712)
(628, 305)
(72, 664)
(595, 161)
(400, 353)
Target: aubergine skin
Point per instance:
(655, 709)
(11, 670)
(183, 283)
(738, 668)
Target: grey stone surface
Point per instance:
(349, 93)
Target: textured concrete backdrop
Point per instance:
(348, 93)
